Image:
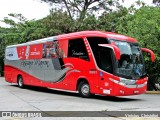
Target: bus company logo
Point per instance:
(10, 54)
(35, 52)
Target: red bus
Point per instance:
(90, 62)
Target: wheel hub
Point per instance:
(85, 89)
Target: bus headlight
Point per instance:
(121, 83)
(117, 82)
(128, 81)
(124, 81)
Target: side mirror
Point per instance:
(151, 53)
(115, 49)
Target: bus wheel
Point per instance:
(84, 89)
(20, 81)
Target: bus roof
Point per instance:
(43, 40)
(110, 35)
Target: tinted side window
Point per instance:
(102, 55)
(105, 62)
(77, 48)
(94, 41)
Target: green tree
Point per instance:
(143, 25)
(108, 21)
(80, 8)
(57, 22)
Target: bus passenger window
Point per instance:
(76, 48)
(52, 50)
(48, 50)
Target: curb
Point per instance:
(152, 92)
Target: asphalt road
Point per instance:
(13, 98)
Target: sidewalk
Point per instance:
(152, 92)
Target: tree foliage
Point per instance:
(80, 8)
(144, 25)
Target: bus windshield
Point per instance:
(131, 63)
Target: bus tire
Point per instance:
(84, 89)
(20, 81)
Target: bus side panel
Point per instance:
(11, 74)
(42, 72)
(79, 69)
(8, 74)
(56, 72)
(28, 79)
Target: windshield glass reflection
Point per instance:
(131, 61)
